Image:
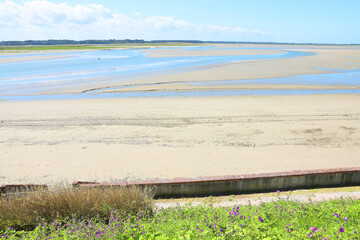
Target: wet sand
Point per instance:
(176, 52)
(268, 68)
(325, 58)
(31, 58)
(138, 138)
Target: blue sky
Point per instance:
(316, 21)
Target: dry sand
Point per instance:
(111, 139)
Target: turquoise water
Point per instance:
(28, 80)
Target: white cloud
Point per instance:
(41, 19)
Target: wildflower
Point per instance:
(260, 219)
(310, 234)
(346, 219)
(341, 229)
(336, 215)
(315, 229)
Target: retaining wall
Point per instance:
(21, 188)
(239, 184)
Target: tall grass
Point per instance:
(26, 211)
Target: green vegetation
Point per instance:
(55, 47)
(281, 219)
(87, 47)
(23, 211)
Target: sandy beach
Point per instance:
(54, 141)
(138, 138)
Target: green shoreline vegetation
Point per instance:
(11, 49)
(129, 213)
(53, 45)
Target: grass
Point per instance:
(24, 212)
(335, 219)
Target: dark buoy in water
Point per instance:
(98, 58)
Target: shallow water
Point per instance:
(180, 94)
(28, 80)
(342, 77)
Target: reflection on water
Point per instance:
(181, 94)
(32, 78)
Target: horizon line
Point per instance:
(107, 41)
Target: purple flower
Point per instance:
(260, 219)
(336, 215)
(278, 191)
(341, 229)
(346, 219)
(310, 234)
(315, 229)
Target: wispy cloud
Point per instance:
(41, 19)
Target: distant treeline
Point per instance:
(68, 42)
(131, 41)
(74, 42)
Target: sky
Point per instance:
(295, 21)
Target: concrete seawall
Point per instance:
(21, 188)
(239, 184)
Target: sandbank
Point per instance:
(330, 59)
(139, 138)
(13, 59)
(176, 52)
(183, 87)
(326, 60)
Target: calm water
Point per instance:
(27, 80)
(342, 77)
